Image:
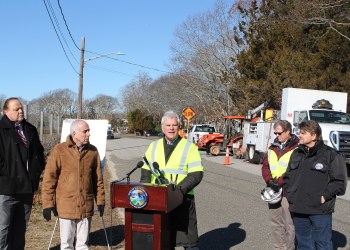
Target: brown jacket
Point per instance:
(72, 180)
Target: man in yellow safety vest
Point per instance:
(275, 164)
(180, 163)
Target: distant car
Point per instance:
(110, 134)
(151, 132)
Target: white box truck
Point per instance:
(328, 108)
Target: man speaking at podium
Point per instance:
(176, 160)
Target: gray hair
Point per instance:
(170, 114)
(285, 125)
(74, 125)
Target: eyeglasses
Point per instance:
(278, 133)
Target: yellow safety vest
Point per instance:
(184, 159)
(278, 166)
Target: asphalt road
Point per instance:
(231, 214)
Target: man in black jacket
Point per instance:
(21, 164)
(316, 174)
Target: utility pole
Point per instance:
(82, 61)
(80, 94)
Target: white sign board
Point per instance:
(98, 134)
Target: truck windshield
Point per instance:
(329, 116)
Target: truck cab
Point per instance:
(335, 125)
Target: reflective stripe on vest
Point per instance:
(180, 162)
(180, 170)
(278, 166)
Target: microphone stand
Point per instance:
(128, 179)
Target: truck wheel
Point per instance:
(215, 150)
(253, 156)
(207, 148)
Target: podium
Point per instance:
(146, 213)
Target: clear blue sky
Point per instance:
(33, 62)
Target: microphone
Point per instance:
(162, 178)
(145, 160)
(139, 165)
(152, 170)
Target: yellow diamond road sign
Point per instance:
(188, 113)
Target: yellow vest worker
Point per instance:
(274, 166)
(180, 163)
(183, 160)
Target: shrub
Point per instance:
(49, 141)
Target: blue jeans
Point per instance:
(313, 231)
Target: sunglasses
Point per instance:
(278, 133)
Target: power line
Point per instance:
(134, 64)
(59, 5)
(96, 67)
(106, 69)
(70, 34)
(59, 28)
(159, 70)
(138, 65)
(65, 53)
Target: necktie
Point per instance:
(21, 135)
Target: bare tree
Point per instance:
(102, 107)
(137, 94)
(2, 101)
(60, 102)
(155, 97)
(203, 52)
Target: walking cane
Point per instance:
(53, 232)
(104, 228)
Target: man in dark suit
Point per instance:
(21, 164)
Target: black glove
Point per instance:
(273, 184)
(47, 213)
(101, 209)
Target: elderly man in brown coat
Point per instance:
(72, 181)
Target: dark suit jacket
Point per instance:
(20, 166)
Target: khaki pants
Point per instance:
(282, 227)
(78, 229)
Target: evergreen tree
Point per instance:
(285, 44)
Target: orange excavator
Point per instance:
(232, 138)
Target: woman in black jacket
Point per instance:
(316, 174)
